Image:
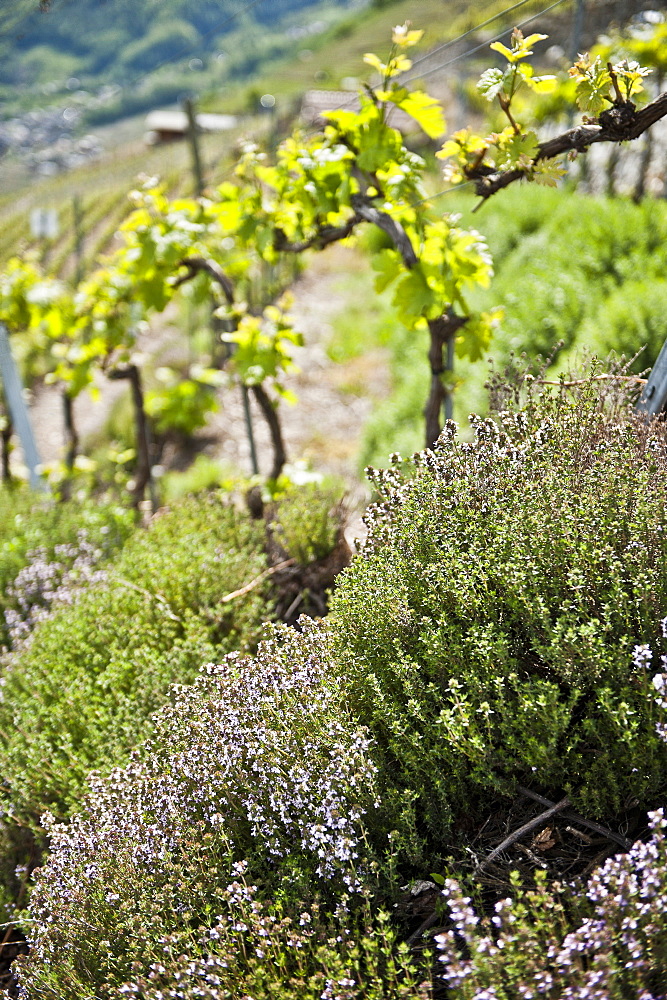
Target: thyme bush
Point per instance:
(48, 548)
(605, 939)
(510, 578)
(256, 769)
(79, 694)
(496, 628)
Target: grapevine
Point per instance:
(321, 189)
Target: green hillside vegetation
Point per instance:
(97, 43)
(147, 48)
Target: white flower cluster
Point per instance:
(45, 582)
(258, 753)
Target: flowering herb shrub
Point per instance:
(79, 695)
(499, 625)
(47, 549)
(510, 578)
(606, 940)
(257, 768)
(44, 582)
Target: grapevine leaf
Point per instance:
(379, 145)
(504, 51)
(425, 110)
(521, 47)
(413, 298)
(399, 64)
(491, 83)
(531, 40)
(372, 60)
(547, 172)
(590, 98)
(388, 266)
(518, 150)
(401, 35)
(476, 335)
(542, 84)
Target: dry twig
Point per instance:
(256, 582)
(424, 926)
(585, 381)
(576, 818)
(526, 828)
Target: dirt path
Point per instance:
(323, 429)
(333, 400)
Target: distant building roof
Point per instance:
(315, 102)
(162, 126)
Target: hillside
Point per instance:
(116, 56)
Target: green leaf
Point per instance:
(413, 297)
(490, 83)
(425, 110)
(372, 60)
(379, 146)
(402, 36)
(518, 150)
(547, 172)
(542, 84)
(475, 336)
(504, 51)
(388, 265)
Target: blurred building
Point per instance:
(169, 126)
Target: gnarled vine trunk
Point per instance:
(442, 332)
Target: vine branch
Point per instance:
(621, 123)
(195, 265)
(390, 226)
(364, 211)
(319, 240)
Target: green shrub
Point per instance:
(46, 545)
(632, 320)
(509, 580)
(204, 474)
(606, 938)
(308, 521)
(81, 693)
(552, 294)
